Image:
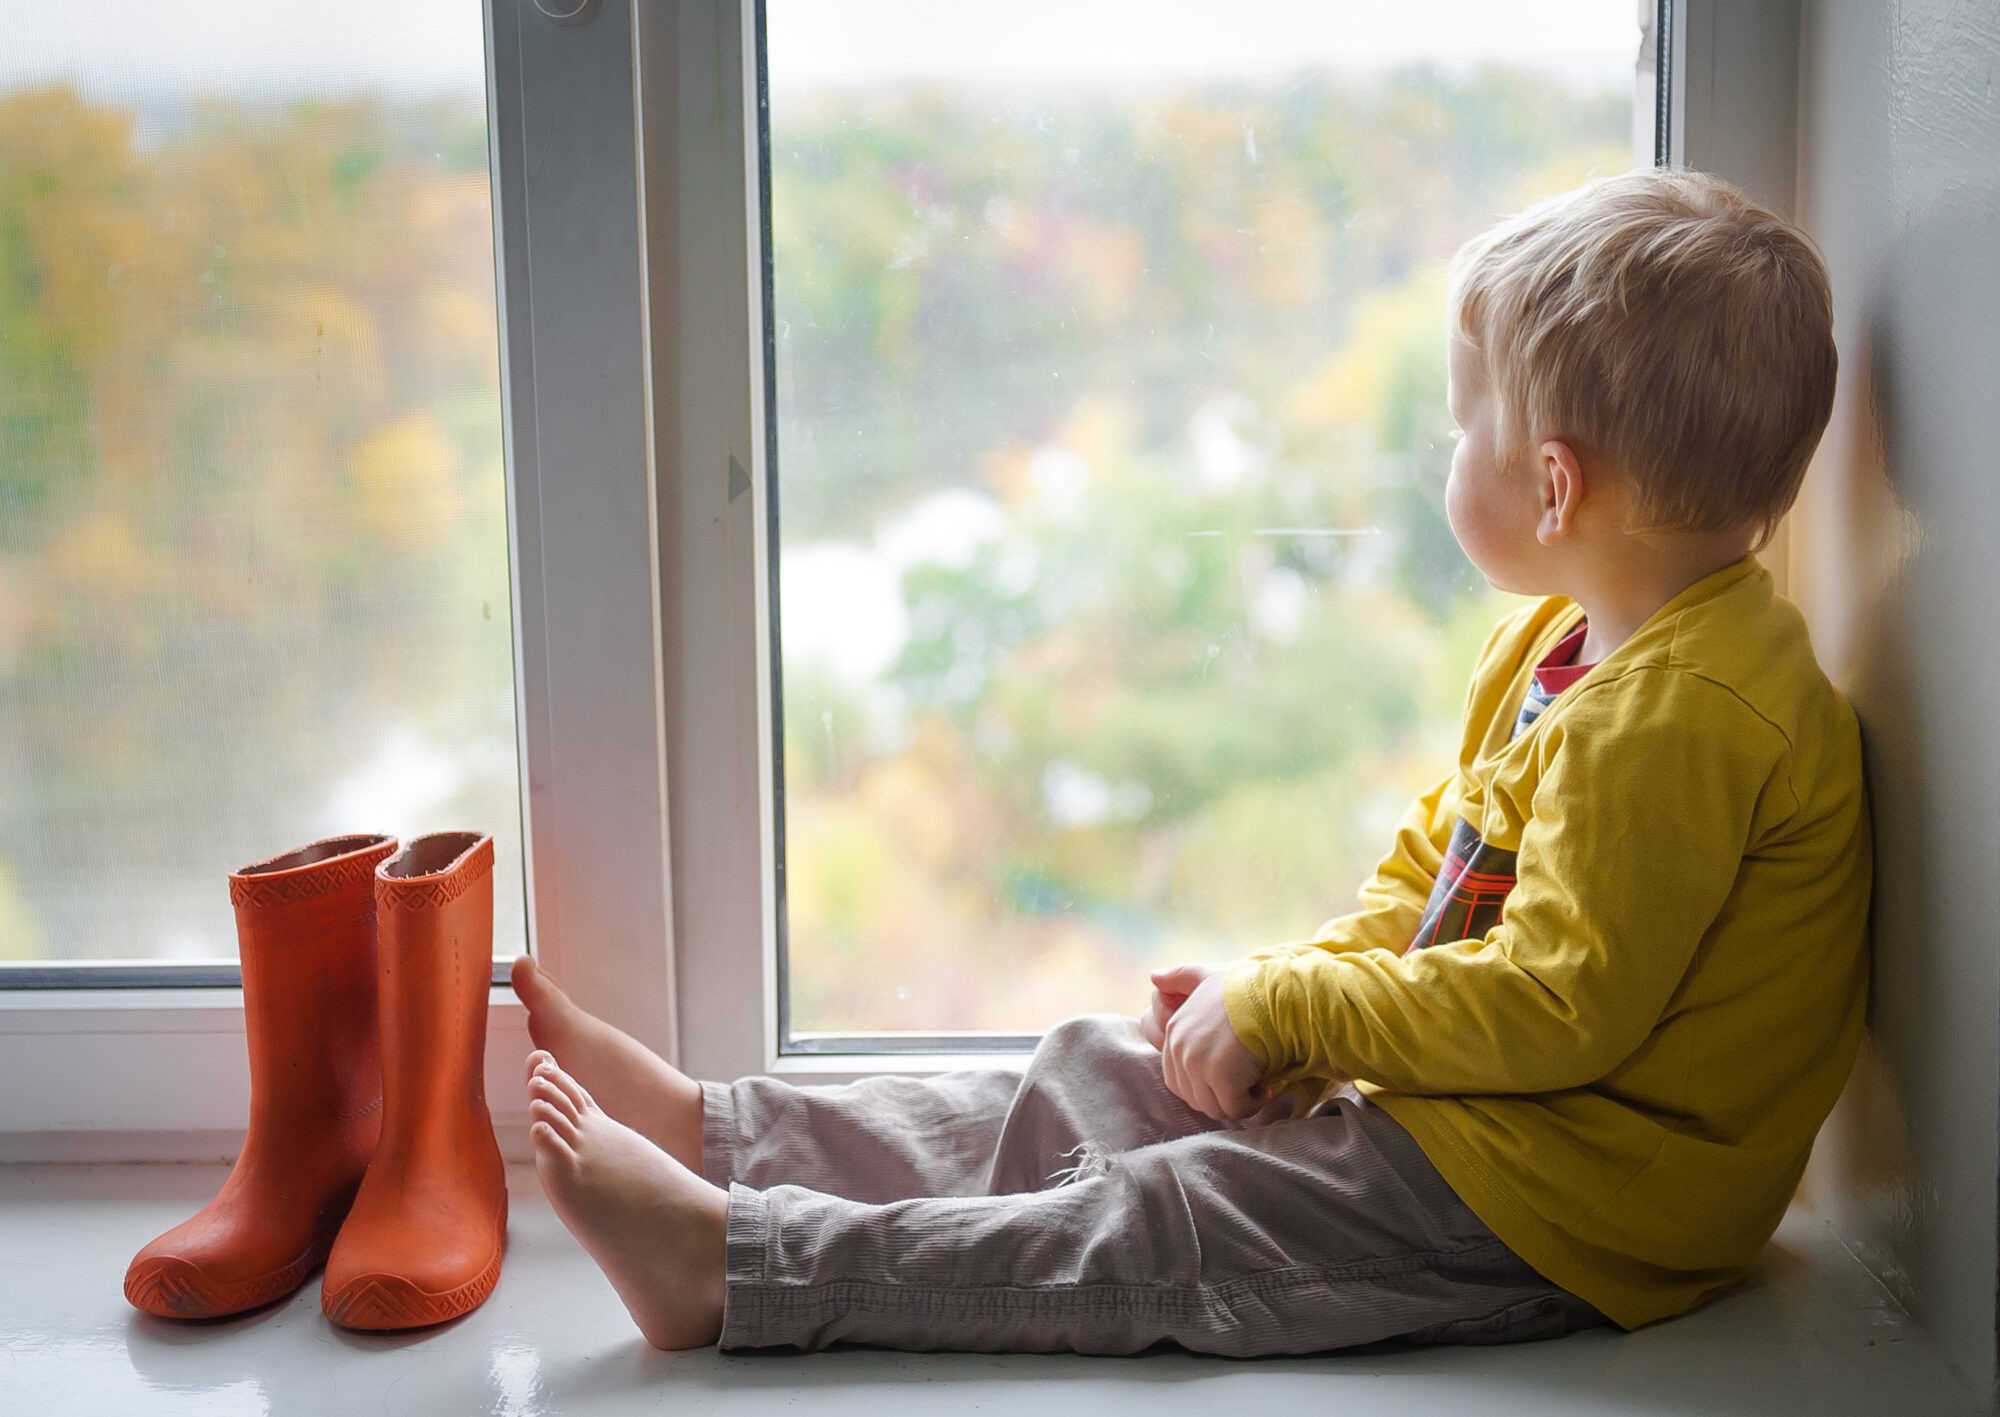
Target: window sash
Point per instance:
(1657, 136)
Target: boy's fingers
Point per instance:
(1176, 1079)
(1191, 1087)
(1159, 1016)
(1225, 1107)
(1228, 1106)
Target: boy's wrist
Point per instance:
(1243, 1000)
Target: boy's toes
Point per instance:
(542, 1088)
(552, 1146)
(535, 1061)
(548, 1114)
(572, 1090)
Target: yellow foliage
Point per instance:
(407, 473)
(1102, 428)
(1559, 173)
(1108, 268)
(102, 555)
(1349, 389)
(1268, 861)
(911, 805)
(20, 932)
(1292, 243)
(461, 320)
(331, 337)
(844, 872)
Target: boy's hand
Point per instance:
(1205, 1063)
(1166, 999)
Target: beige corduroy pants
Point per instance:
(1079, 1205)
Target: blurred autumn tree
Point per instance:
(252, 525)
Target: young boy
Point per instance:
(1567, 1060)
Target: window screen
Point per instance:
(253, 547)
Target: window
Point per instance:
(548, 110)
(651, 515)
(1119, 619)
(253, 558)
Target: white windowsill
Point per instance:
(1810, 1336)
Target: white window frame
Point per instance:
(625, 155)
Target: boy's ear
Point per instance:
(1562, 488)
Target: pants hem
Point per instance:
(746, 1233)
(718, 1134)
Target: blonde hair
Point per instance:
(1664, 319)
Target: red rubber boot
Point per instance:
(424, 1240)
(305, 925)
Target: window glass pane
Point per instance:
(1119, 616)
(253, 555)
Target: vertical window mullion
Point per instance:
(702, 220)
(580, 488)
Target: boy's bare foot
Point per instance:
(653, 1226)
(632, 1082)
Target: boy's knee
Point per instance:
(1089, 1036)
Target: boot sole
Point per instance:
(171, 1288)
(383, 1302)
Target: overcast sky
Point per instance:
(853, 40)
(165, 46)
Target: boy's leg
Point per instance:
(1093, 1083)
(876, 1140)
(1297, 1236)
(1092, 1088)
(657, 1229)
(1301, 1235)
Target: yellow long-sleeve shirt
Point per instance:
(1623, 1075)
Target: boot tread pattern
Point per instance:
(388, 1301)
(174, 1289)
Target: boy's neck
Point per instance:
(1626, 586)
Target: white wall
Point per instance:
(1896, 557)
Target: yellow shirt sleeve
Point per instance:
(1638, 823)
